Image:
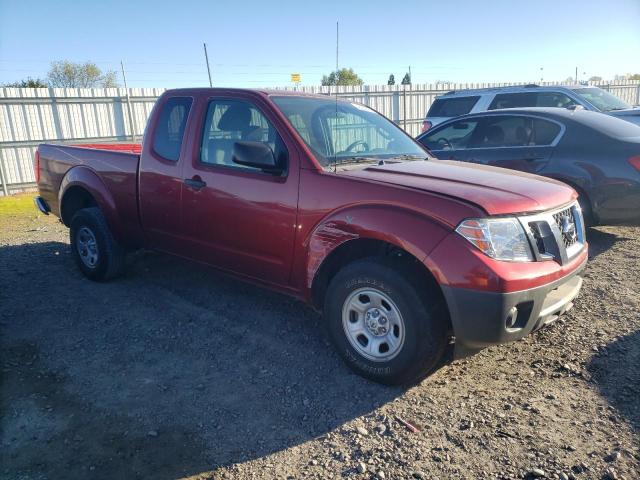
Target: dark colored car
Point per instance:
(598, 155)
(334, 204)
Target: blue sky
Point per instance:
(257, 43)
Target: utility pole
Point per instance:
(129, 108)
(206, 57)
(576, 77)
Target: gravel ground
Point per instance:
(177, 371)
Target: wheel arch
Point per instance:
(360, 248)
(582, 192)
(81, 187)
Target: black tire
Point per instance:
(423, 314)
(110, 255)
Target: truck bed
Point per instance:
(114, 166)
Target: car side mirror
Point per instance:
(256, 155)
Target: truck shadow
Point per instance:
(601, 241)
(171, 371)
(615, 371)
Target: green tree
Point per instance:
(392, 80)
(344, 76)
(64, 73)
(407, 79)
(595, 78)
(27, 83)
(635, 76)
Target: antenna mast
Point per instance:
(206, 59)
(335, 123)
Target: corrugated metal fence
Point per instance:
(29, 116)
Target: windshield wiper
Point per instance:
(406, 156)
(355, 159)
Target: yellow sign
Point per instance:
(295, 77)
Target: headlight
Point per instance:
(499, 238)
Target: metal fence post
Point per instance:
(3, 176)
(404, 107)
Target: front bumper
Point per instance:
(42, 205)
(481, 319)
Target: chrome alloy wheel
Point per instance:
(373, 324)
(87, 247)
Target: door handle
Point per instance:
(196, 183)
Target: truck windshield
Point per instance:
(601, 99)
(348, 132)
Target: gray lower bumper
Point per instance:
(481, 319)
(42, 205)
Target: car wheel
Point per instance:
(383, 326)
(96, 252)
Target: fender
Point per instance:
(87, 178)
(412, 232)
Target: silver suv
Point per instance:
(460, 102)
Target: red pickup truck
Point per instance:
(332, 203)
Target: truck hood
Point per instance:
(496, 190)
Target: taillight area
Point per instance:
(635, 162)
(426, 125)
(36, 166)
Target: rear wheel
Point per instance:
(96, 252)
(384, 326)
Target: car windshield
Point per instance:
(601, 99)
(345, 132)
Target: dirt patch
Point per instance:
(177, 371)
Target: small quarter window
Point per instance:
(169, 132)
(544, 133)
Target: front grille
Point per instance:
(556, 235)
(567, 225)
(537, 236)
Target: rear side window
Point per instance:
(513, 131)
(531, 99)
(514, 100)
(169, 133)
(452, 107)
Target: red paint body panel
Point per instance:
(116, 147)
(110, 177)
(277, 230)
(486, 274)
(498, 191)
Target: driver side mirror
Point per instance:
(256, 155)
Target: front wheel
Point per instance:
(96, 251)
(383, 324)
